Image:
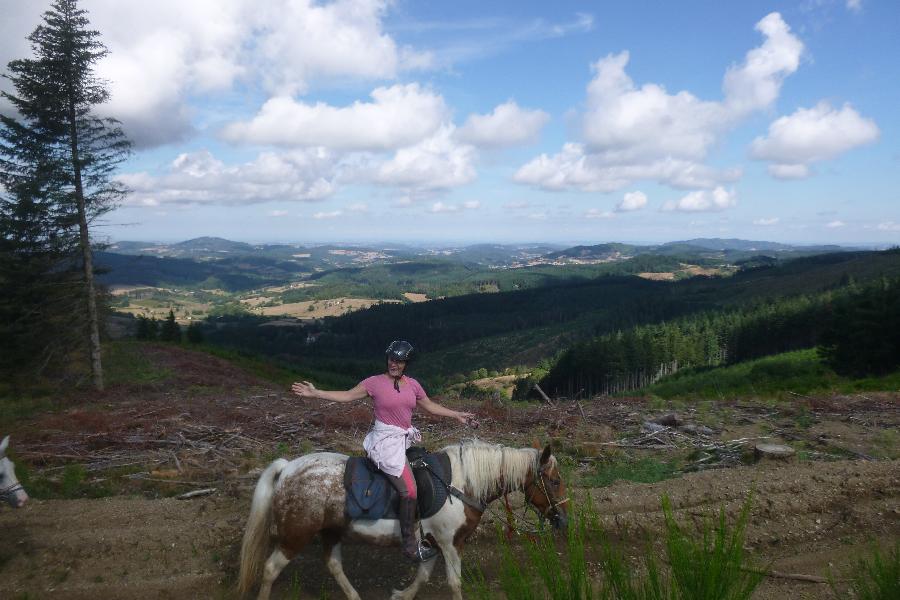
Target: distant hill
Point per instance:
(203, 245)
(598, 252)
(231, 274)
(723, 244)
(704, 251)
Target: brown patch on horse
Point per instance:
(473, 517)
(300, 511)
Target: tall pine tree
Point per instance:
(57, 157)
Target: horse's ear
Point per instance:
(535, 444)
(546, 455)
(3, 445)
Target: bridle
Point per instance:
(9, 491)
(552, 510)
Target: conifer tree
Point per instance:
(56, 156)
(194, 333)
(171, 330)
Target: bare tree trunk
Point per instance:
(85, 240)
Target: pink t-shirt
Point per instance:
(393, 407)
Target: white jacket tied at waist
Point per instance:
(386, 446)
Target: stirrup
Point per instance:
(424, 552)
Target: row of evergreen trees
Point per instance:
(56, 164)
(856, 327)
(149, 329)
(862, 336)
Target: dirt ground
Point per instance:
(209, 425)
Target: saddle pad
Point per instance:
(371, 496)
(367, 489)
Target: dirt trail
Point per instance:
(806, 517)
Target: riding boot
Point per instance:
(412, 549)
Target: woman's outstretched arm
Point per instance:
(306, 390)
(432, 407)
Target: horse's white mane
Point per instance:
(479, 467)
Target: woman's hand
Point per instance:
(466, 418)
(305, 390)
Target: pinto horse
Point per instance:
(10, 489)
(305, 497)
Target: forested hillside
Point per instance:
(495, 331)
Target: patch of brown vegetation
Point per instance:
(657, 276)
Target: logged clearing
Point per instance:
(658, 276)
(204, 423)
(317, 309)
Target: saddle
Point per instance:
(371, 496)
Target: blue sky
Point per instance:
(570, 122)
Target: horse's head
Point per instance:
(546, 491)
(10, 489)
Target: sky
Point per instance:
(368, 121)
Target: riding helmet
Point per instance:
(399, 350)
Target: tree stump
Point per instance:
(773, 451)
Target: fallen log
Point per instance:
(196, 493)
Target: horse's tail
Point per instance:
(255, 548)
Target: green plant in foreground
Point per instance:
(711, 567)
(876, 576)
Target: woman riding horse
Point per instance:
(394, 395)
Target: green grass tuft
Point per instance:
(711, 566)
(876, 576)
(645, 470)
(706, 565)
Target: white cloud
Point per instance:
(811, 135)
(888, 226)
(334, 214)
(277, 213)
(397, 116)
(440, 207)
(632, 201)
(538, 216)
(596, 213)
(629, 124)
(835, 224)
(854, 5)
(200, 178)
(300, 41)
(506, 125)
(636, 133)
(472, 204)
(577, 169)
(703, 201)
(438, 162)
(767, 221)
(165, 52)
(358, 208)
(781, 171)
(756, 83)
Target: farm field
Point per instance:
(104, 470)
(317, 309)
